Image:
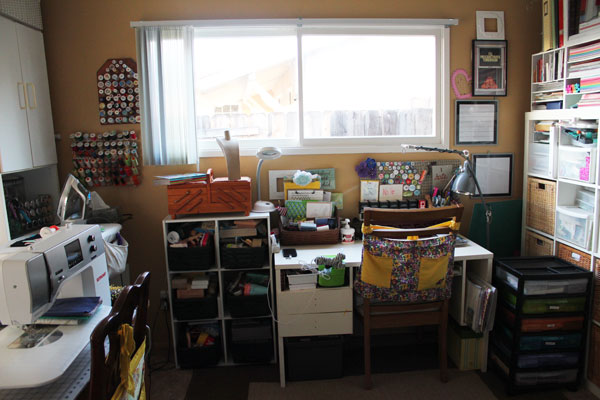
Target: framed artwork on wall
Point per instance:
(489, 67)
(494, 173)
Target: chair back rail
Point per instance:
(130, 308)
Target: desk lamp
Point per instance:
(464, 182)
(266, 153)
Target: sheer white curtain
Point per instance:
(165, 55)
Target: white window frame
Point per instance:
(341, 145)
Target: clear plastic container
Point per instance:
(574, 225)
(540, 159)
(578, 163)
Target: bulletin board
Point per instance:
(413, 179)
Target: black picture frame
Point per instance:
(489, 67)
(495, 174)
(475, 113)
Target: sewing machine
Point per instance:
(69, 263)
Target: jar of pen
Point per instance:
(25, 215)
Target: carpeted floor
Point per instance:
(415, 385)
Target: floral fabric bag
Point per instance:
(400, 270)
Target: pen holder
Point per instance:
(337, 277)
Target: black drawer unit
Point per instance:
(539, 334)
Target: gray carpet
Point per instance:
(415, 385)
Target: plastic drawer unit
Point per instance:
(574, 225)
(541, 323)
(578, 163)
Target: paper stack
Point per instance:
(480, 305)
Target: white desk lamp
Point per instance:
(464, 182)
(266, 153)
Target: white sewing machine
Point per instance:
(69, 263)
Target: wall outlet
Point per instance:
(164, 300)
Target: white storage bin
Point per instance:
(577, 163)
(586, 196)
(574, 225)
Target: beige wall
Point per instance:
(81, 35)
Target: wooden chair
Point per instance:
(383, 315)
(130, 308)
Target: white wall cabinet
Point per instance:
(26, 128)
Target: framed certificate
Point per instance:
(476, 122)
(489, 67)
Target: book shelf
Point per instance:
(244, 324)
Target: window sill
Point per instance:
(318, 150)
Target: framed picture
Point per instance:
(276, 178)
(489, 67)
(476, 122)
(494, 173)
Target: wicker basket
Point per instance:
(538, 245)
(574, 256)
(594, 356)
(541, 202)
(291, 238)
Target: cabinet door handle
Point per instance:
(34, 96)
(22, 87)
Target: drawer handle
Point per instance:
(539, 242)
(542, 186)
(576, 257)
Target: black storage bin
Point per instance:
(248, 306)
(252, 341)
(196, 357)
(314, 357)
(191, 309)
(243, 257)
(191, 258)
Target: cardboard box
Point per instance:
(464, 346)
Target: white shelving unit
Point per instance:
(547, 168)
(223, 318)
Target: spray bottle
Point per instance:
(347, 232)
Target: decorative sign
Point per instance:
(369, 190)
(459, 93)
(390, 192)
(441, 175)
(118, 92)
(489, 67)
(327, 177)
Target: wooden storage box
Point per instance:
(217, 195)
(574, 256)
(464, 346)
(541, 204)
(538, 245)
(291, 238)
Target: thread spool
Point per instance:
(48, 231)
(173, 237)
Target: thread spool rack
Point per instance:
(106, 159)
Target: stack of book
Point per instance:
(178, 179)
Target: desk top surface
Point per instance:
(22, 368)
(353, 252)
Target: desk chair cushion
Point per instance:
(410, 271)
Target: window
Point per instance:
(324, 86)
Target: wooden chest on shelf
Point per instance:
(218, 195)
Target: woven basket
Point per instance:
(596, 306)
(594, 356)
(541, 202)
(538, 245)
(290, 238)
(574, 256)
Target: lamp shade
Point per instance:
(464, 182)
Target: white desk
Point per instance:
(328, 311)
(41, 365)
